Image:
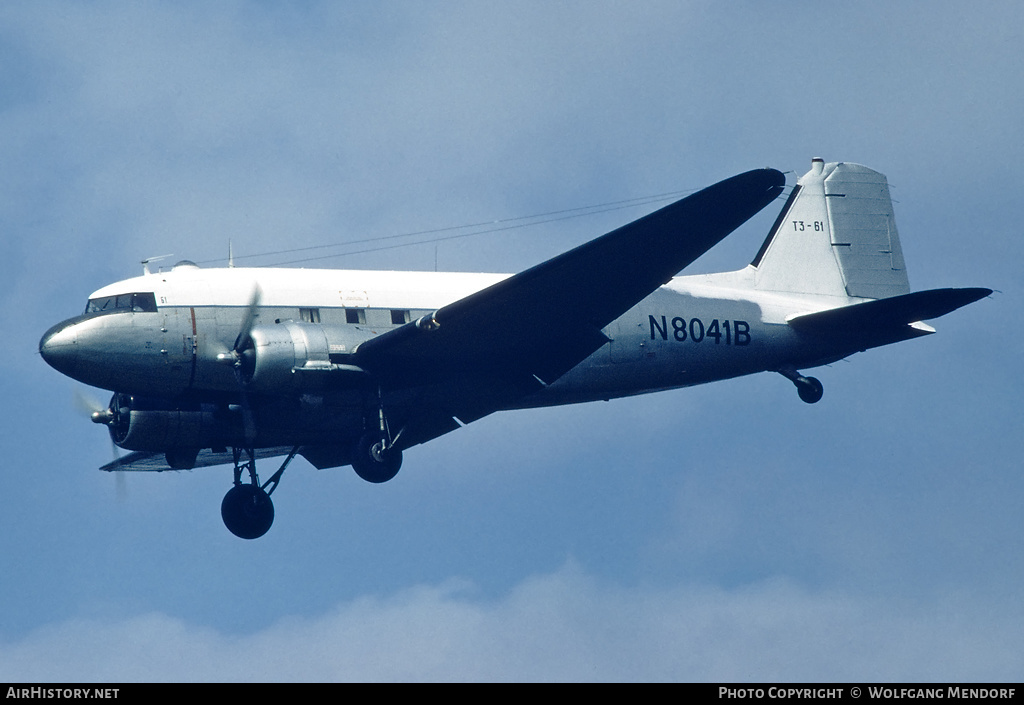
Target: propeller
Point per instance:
(90, 405)
(99, 413)
(236, 358)
(244, 338)
(243, 341)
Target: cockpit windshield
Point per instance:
(123, 303)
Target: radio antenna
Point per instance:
(145, 262)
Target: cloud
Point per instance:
(564, 625)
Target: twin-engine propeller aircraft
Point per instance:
(217, 366)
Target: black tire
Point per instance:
(810, 390)
(371, 463)
(247, 511)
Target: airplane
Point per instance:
(212, 366)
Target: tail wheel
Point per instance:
(809, 388)
(374, 461)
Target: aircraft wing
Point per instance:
(526, 331)
(155, 461)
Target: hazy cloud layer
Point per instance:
(561, 626)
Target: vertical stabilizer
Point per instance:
(835, 236)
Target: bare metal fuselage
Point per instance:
(691, 331)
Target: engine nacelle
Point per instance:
(154, 425)
(181, 430)
(291, 356)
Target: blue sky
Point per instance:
(726, 532)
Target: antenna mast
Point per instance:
(145, 262)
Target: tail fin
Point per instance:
(835, 236)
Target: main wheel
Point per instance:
(373, 462)
(247, 511)
(810, 389)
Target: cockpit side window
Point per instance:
(123, 303)
(145, 302)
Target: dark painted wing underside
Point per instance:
(153, 461)
(510, 339)
(526, 331)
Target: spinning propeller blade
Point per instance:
(244, 338)
(242, 342)
(100, 413)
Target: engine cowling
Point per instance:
(296, 357)
(154, 425)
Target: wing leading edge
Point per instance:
(528, 330)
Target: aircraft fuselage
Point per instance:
(170, 340)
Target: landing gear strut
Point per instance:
(247, 510)
(809, 388)
(375, 457)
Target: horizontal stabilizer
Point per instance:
(886, 314)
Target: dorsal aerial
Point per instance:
(345, 367)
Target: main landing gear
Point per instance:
(809, 388)
(375, 457)
(246, 509)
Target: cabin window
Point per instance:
(398, 316)
(355, 315)
(309, 315)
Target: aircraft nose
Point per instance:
(59, 347)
